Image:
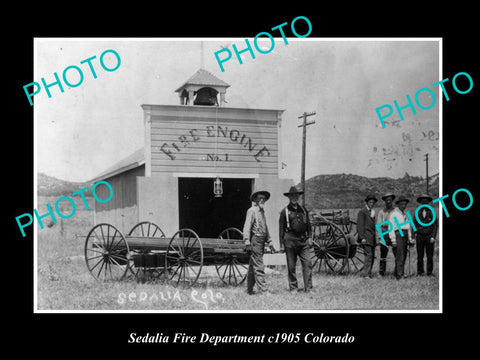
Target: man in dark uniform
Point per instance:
(366, 233)
(425, 235)
(294, 232)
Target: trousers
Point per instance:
(303, 252)
(382, 266)
(400, 254)
(424, 246)
(256, 267)
(369, 251)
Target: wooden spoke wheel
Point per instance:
(356, 259)
(331, 247)
(147, 229)
(231, 267)
(145, 273)
(106, 253)
(356, 255)
(184, 258)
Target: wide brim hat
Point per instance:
(293, 190)
(424, 196)
(388, 195)
(371, 197)
(402, 198)
(261, 192)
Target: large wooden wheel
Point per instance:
(331, 247)
(356, 259)
(147, 229)
(106, 253)
(184, 258)
(356, 256)
(231, 267)
(142, 272)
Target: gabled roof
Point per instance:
(203, 77)
(130, 162)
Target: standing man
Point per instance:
(256, 236)
(384, 215)
(425, 235)
(294, 232)
(366, 233)
(398, 240)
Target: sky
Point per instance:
(86, 129)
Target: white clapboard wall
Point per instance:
(208, 139)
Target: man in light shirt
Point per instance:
(256, 236)
(382, 216)
(400, 241)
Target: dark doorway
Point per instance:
(207, 215)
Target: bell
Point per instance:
(206, 96)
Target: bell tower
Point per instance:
(203, 88)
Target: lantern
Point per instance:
(218, 187)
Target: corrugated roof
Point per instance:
(203, 77)
(130, 162)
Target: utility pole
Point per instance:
(304, 141)
(426, 168)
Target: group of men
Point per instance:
(399, 239)
(296, 238)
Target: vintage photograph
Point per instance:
(284, 179)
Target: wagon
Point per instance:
(335, 244)
(146, 253)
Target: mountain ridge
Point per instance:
(326, 191)
(349, 190)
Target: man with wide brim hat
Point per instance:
(293, 191)
(424, 197)
(294, 235)
(383, 216)
(427, 227)
(402, 198)
(257, 236)
(388, 195)
(366, 233)
(401, 234)
(266, 194)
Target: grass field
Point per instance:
(64, 283)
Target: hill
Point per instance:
(343, 191)
(51, 186)
(337, 191)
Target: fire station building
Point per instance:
(200, 163)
